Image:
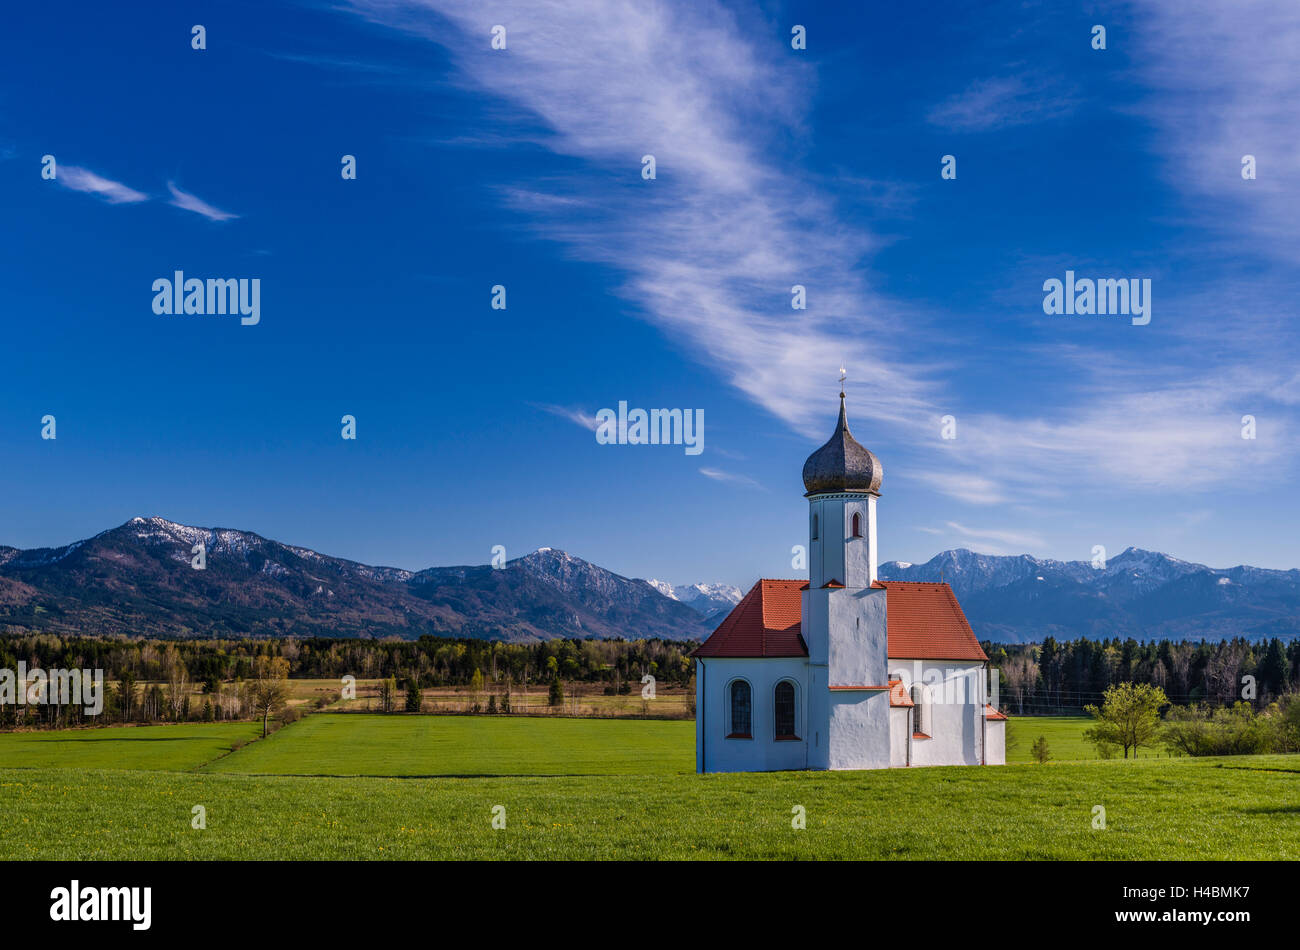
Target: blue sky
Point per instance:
(775, 167)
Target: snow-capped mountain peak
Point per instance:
(706, 598)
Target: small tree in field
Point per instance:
(1039, 750)
(556, 697)
(1129, 716)
(388, 694)
(414, 698)
(268, 690)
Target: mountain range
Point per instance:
(1140, 594)
(138, 578)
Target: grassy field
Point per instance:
(1064, 736)
(638, 799)
(405, 746)
(176, 748)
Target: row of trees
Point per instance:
(1054, 675)
(129, 700)
(430, 661)
(1036, 678)
(154, 680)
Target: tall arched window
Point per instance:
(741, 710)
(784, 710)
(857, 524)
(814, 530)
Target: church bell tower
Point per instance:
(843, 614)
(842, 479)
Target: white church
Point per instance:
(844, 671)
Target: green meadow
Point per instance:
(350, 786)
(347, 744)
(175, 748)
(1065, 741)
(1064, 736)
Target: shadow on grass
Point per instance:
(463, 775)
(134, 739)
(1275, 810)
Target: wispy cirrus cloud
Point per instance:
(987, 540)
(181, 199)
(84, 180)
(1001, 102)
(718, 475)
(576, 416)
(710, 250)
(1182, 436)
(1019, 539)
(1223, 83)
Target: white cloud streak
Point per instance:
(718, 475)
(999, 103)
(576, 416)
(181, 199)
(710, 250)
(84, 180)
(1224, 84)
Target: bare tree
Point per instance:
(1221, 673)
(269, 687)
(177, 682)
(1021, 674)
(1180, 658)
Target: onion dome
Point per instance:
(842, 464)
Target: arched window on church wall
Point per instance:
(742, 706)
(784, 710)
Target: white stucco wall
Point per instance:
(714, 752)
(900, 733)
(843, 729)
(856, 652)
(859, 729)
(995, 753)
(818, 735)
(956, 690)
(835, 554)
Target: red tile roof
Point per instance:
(925, 622)
(898, 694)
(993, 715)
(765, 623)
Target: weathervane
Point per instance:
(843, 376)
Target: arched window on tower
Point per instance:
(814, 530)
(857, 524)
(784, 709)
(741, 710)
